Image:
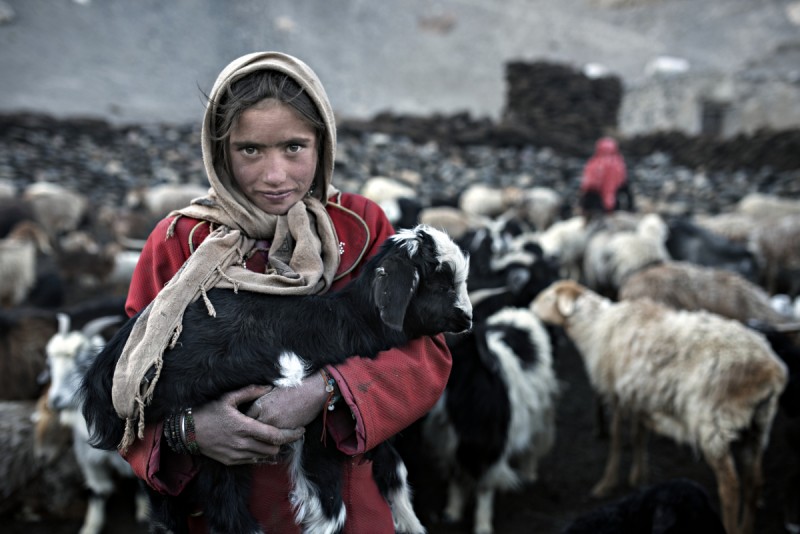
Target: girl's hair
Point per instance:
(248, 91)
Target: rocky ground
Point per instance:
(443, 155)
(446, 154)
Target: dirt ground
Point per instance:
(561, 494)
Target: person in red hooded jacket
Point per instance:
(605, 180)
(268, 143)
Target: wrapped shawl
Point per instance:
(303, 256)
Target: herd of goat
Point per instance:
(687, 327)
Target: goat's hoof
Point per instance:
(450, 519)
(601, 490)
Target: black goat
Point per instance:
(690, 242)
(415, 286)
(677, 506)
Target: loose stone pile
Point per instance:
(687, 175)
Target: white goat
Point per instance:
(695, 377)
(57, 208)
(18, 257)
(612, 255)
(69, 353)
(381, 188)
(565, 240)
(763, 206)
(539, 206)
(159, 200)
(489, 201)
(453, 221)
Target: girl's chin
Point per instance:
(277, 206)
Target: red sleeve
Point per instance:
(387, 394)
(161, 258)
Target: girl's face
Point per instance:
(273, 155)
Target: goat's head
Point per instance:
(69, 354)
(420, 283)
(557, 302)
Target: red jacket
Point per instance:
(384, 395)
(605, 172)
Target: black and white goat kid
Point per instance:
(496, 419)
(414, 286)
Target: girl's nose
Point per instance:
(273, 171)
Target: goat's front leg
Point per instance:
(142, 502)
(95, 517)
(752, 482)
(484, 510)
(316, 474)
(391, 476)
(609, 480)
(454, 510)
(724, 469)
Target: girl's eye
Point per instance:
(294, 149)
(248, 150)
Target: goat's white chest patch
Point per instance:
(293, 370)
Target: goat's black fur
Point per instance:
(690, 242)
(677, 506)
(406, 291)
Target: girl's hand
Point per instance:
(225, 434)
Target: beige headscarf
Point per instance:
(303, 257)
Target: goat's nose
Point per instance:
(57, 402)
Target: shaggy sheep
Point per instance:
(57, 208)
(695, 377)
(415, 286)
(777, 244)
(498, 408)
(763, 206)
(686, 286)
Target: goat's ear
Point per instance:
(395, 283)
(565, 302)
(486, 356)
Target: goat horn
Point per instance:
(63, 323)
(95, 326)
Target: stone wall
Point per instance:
(711, 104)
